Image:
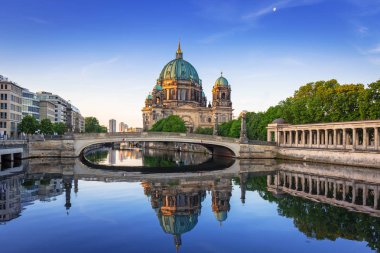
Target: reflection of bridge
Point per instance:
(72, 146)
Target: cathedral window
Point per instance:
(223, 95)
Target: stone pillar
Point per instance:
(326, 138)
(318, 182)
(376, 197)
(296, 182)
(376, 138)
(344, 138)
(310, 185)
(243, 128)
(318, 138)
(335, 138)
(269, 133)
(365, 195)
(326, 187)
(310, 138)
(291, 137)
(334, 189)
(303, 183)
(344, 191)
(365, 138)
(303, 138)
(215, 130)
(353, 193)
(297, 137)
(354, 136)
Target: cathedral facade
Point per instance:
(179, 91)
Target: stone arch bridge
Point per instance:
(73, 145)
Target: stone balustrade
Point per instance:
(354, 135)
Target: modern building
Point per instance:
(60, 105)
(123, 127)
(47, 110)
(74, 120)
(112, 126)
(30, 104)
(179, 91)
(134, 130)
(10, 107)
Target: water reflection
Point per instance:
(145, 157)
(324, 201)
(178, 204)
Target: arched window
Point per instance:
(223, 95)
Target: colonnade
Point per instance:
(363, 135)
(358, 196)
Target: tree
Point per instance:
(204, 130)
(28, 125)
(46, 127)
(92, 126)
(173, 123)
(60, 128)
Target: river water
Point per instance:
(62, 205)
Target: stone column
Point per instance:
(335, 138)
(291, 137)
(365, 195)
(365, 138)
(353, 193)
(318, 138)
(310, 185)
(344, 138)
(318, 182)
(297, 137)
(215, 130)
(354, 136)
(243, 129)
(296, 182)
(376, 138)
(376, 197)
(269, 135)
(303, 138)
(326, 138)
(310, 138)
(326, 187)
(303, 183)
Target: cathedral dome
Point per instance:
(221, 81)
(178, 224)
(179, 69)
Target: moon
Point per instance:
(274, 9)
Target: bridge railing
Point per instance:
(166, 135)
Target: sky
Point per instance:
(105, 56)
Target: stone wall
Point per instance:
(249, 151)
(51, 148)
(353, 158)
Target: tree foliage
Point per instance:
(59, 128)
(173, 123)
(46, 127)
(316, 102)
(204, 130)
(92, 125)
(28, 125)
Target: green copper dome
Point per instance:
(178, 224)
(221, 81)
(149, 96)
(179, 69)
(158, 87)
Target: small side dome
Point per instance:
(221, 216)
(149, 96)
(221, 81)
(158, 87)
(203, 94)
(279, 121)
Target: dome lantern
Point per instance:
(179, 54)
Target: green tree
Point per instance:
(46, 127)
(92, 125)
(60, 128)
(28, 125)
(173, 123)
(204, 130)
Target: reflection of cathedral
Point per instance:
(179, 91)
(178, 205)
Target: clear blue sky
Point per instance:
(105, 56)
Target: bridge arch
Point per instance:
(217, 145)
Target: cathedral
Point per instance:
(179, 91)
